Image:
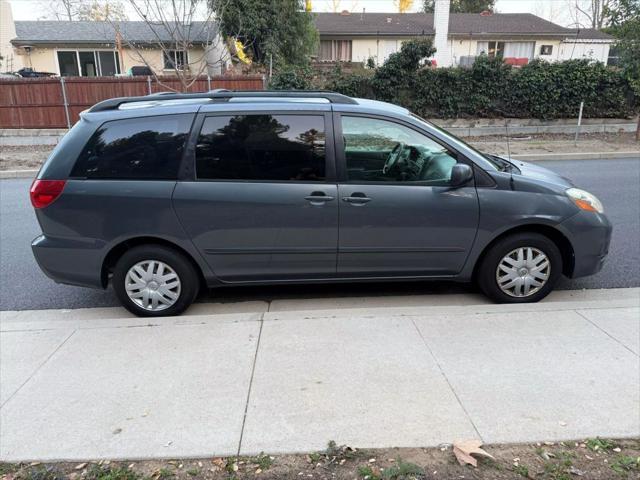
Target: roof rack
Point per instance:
(223, 95)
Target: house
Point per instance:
(90, 49)
(458, 37)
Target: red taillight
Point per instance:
(44, 192)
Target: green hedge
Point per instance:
(489, 88)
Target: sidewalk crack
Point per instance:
(253, 370)
(444, 375)
(606, 333)
(38, 368)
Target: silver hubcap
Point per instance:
(152, 285)
(523, 271)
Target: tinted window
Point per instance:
(262, 147)
(136, 148)
(382, 151)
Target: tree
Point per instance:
(403, 5)
(278, 29)
(602, 13)
(462, 6)
(174, 30)
(101, 11)
(90, 10)
(472, 6)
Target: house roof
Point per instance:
(460, 24)
(65, 32)
(588, 34)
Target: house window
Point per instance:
(175, 59)
(614, 56)
(546, 49)
(88, 63)
(492, 49)
(335, 51)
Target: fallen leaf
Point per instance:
(217, 461)
(80, 466)
(258, 471)
(464, 448)
(617, 449)
(575, 471)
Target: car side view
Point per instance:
(163, 195)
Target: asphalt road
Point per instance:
(23, 286)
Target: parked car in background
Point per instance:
(27, 72)
(162, 195)
(140, 71)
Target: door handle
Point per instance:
(356, 198)
(318, 197)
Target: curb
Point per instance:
(18, 173)
(531, 157)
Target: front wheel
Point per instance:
(520, 268)
(155, 281)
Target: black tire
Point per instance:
(189, 280)
(486, 275)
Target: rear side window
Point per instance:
(262, 148)
(148, 148)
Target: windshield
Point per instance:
(498, 163)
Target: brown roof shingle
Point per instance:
(459, 24)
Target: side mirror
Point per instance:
(461, 174)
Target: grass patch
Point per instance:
(40, 473)
(521, 470)
(595, 444)
(97, 472)
(162, 474)
(6, 468)
(400, 470)
(625, 464)
(262, 461)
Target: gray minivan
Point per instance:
(165, 194)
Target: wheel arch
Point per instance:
(119, 249)
(555, 235)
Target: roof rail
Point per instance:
(224, 95)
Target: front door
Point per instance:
(398, 214)
(263, 205)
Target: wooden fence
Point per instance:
(57, 102)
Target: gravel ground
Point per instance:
(23, 157)
(589, 460)
(30, 157)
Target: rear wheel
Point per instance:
(520, 268)
(155, 281)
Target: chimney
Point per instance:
(441, 27)
(362, 16)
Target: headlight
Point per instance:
(585, 200)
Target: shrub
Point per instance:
(291, 78)
(489, 88)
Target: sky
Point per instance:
(557, 11)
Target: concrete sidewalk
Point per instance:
(272, 377)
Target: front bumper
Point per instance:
(590, 235)
(70, 261)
